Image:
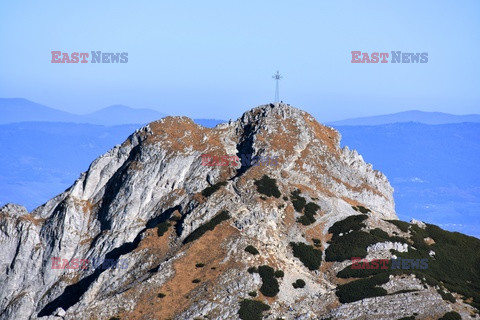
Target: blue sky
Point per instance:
(215, 59)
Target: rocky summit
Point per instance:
(156, 229)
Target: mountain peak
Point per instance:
(205, 218)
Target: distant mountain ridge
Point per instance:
(15, 110)
(408, 116)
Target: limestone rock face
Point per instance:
(117, 208)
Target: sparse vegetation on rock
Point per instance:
(299, 284)
(298, 202)
(252, 309)
(310, 257)
(162, 228)
(270, 286)
(351, 223)
(251, 249)
(402, 225)
(252, 270)
(200, 231)
(363, 288)
(452, 315)
(208, 191)
(267, 186)
(279, 274)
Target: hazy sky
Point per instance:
(215, 59)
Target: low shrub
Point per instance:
(298, 202)
(362, 209)
(251, 249)
(162, 228)
(362, 288)
(310, 257)
(310, 210)
(270, 286)
(279, 274)
(447, 296)
(252, 270)
(402, 225)
(200, 265)
(353, 244)
(306, 220)
(161, 295)
(200, 231)
(379, 233)
(267, 186)
(208, 191)
(196, 281)
(252, 294)
(452, 315)
(252, 309)
(351, 223)
(299, 284)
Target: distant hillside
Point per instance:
(408, 116)
(119, 114)
(20, 110)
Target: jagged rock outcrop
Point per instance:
(155, 180)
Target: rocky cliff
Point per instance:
(220, 242)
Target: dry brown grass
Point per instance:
(208, 250)
(32, 219)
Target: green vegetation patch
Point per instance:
(309, 211)
(447, 296)
(362, 288)
(454, 267)
(267, 186)
(310, 257)
(402, 225)
(162, 228)
(208, 191)
(252, 309)
(351, 223)
(251, 249)
(452, 315)
(252, 294)
(299, 284)
(456, 264)
(270, 286)
(252, 270)
(298, 202)
(353, 244)
(279, 274)
(200, 231)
